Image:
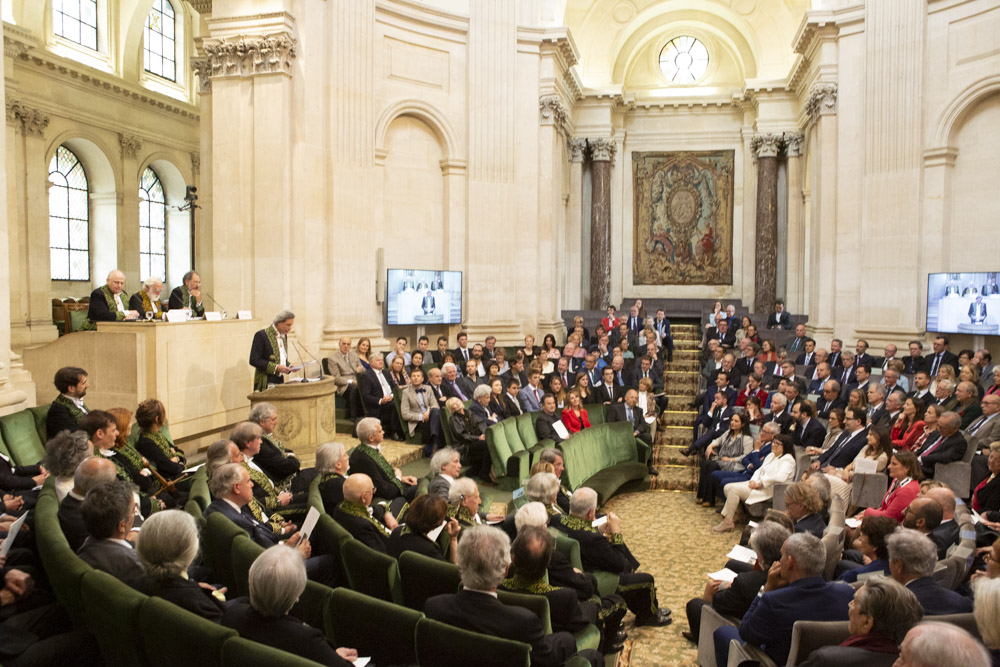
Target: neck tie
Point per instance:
(628, 413)
(538, 396)
(934, 366)
(458, 391)
(977, 425)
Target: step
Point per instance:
(678, 478)
(683, 418)
(671, 455)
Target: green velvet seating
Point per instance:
(371, 572)
(353, 615)
(604, 458)
(40, 413)
(328, 537)
(424, 577)
(112, 609)
(217, 541)
(194, 509)
(315, 497)
(607, 582)
(174, 636)
(596, 413)
(589, 637)
(313, 607)
(443, 645)
(514, 446)
(21, 438)
(64, 568)
(242, 553)
(199, 489)
(245, 653)
(397, 401)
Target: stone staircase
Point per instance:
(678, 472)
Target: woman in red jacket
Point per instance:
(909, 425)
(574, 416)
(904, 471)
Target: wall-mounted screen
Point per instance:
(967, 303)
(414, 296)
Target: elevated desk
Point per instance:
(198, 369)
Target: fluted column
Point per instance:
(821, 108)
(573, 295)
(128, 212)
(553, 115)
(796, 224)
(602, 155)
(765, 148)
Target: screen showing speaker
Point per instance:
(415, 296)
(967, 303)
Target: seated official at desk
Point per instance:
(188, 295)
(147, 300)
(269, 351)
(109, 303)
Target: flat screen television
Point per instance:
(418, 297)
(967, 303)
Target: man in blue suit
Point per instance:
(912, 559)
(795, 590)
(846, 447)
(530, 397)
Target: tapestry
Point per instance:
(683, 221)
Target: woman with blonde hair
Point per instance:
(574, 415)
(877, 449)
(364, 350)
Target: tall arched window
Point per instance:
(76, 20)
(69, 217)
(159, 42)
(152, 227)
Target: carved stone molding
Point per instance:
(130, 144)
(577, 147)
(602, 149)
(246, 56)
(822, 100)
(30, 121)
(793, 143)
(553, 112)
(200, 66)
(195, 163)
(203, 7)
(766, 145)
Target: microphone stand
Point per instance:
(301, 349)
(212, 299)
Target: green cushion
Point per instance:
(569, 548)
(595, 413)
(371, 572)
(537, 604)
(243, 553)
(496, 443)
(174, 636)
(3, 448)
(588, 638)
(446, 426)
(315, 497)
(353, 616)
(313, 606)
(113, 609)
(595, 449)
(77, 318)
(199, 489)
(245, 653)
(40, 413)
(606, 482)
(607, 582)
(444, 645)
(65, 570)
(513, 436)
(21, 438)
(526, 429)
(217, 544)
(194, 509)
(397, 400)
(423, 577)
(327, 538)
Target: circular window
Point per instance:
(684, 60)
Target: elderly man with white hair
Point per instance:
(276, 580)
(277, 462)
(464, 503)
(604, 549)
(912, 559)
(109, 303)
(446, 466)
(147, 300)
(935, 644)
(269, 351)
(543, 487)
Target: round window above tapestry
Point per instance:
(684, 60)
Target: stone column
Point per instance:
(765, 148)
(553, 116)
(128, 214)
(821, 107)
(573, 297)
(602, 155)
(796, 225)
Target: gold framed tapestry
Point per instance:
(683, 219)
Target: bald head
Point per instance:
(945, 498)
(92, 471)
(357, 488)
(116, 281)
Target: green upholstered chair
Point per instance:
(245, 653)
(217, 544)
(21, 437)
(194, 509)
(603, 458)
(444, 645)
(65, 570)
(315, 497)
(327, 538)
(242, 553)
(371, 572)
(174, 636)
(353, 615)
(77, 318)
(313, 605)
(40, 414)
(397, 401)
(112, 609)
(588, 638)
(446, 426)
(607, 582)
(596, 413)
(511, 460)
(423, 577)
(199, 489)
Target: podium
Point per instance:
(306, 414)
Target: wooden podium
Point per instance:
(306, 414)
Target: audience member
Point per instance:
(68, 408)
(877, 449)
(147, 300)
(344, 365)
(154, 444)
(269, 351)
(367, 458)
(933, 644)
(726, 454)
(912, 558)
(108, 511)
(779, 466)
(92, 472)
(804, 508)
(332, 464)
(987, 610)
(277, 461)
(369, 524)
(109, 303)
(944, 447)
(63, 454)
(424, 515)
(469, 436)
(873, 534)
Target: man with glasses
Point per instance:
(981, 433)
(847, 445)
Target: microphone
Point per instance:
(212, 299)
(303, 348)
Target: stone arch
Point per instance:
(951, 119)
(425, 112)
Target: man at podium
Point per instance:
(109, 303)
(269, 351)
(188, 295)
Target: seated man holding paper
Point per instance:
(269, 352)
(549, 425)
(188, 295)
(602, 547)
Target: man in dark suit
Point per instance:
(427, 304)
(722, 333)
(628, 411)
(367, 458)
(108, 511)
(483, 561)
(517, 372)
(977, 311)
(779, 319)
(798, 344)
(462, 353)
(188, 295)
(232, 489)
(980, 434)
(109, 303)
(807, 431)
(721, 386)
(940, 356)
(92, 472)
(912, 559)
(808, 356)
(563, 372)
(830, 399)
(922, 388)
(947, 533)
(353, 513)
(377, 397)
(278, 463)
(468, 382)
(915, 362)
(836, 350)
(861, 382)
(821, 377)
(661, 325)
(451, 386)
(861, 355)
(634, 321)
(269, 351)
(68, 408)
(845, 373)
(546, 418)
(647, 369)
(779, 413)
(608, 391)
(968, 408)
(847, 445)
(512, 406)
(948, 447)
(437, 356)
(735, 599)
(794, 591)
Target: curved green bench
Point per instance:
(604, 458)
(514, 446)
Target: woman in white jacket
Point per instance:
(778, 467)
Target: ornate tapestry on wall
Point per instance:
(683, 221)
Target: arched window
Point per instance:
(76, 20)
(69, 217)
(152, 227)
(159, 41)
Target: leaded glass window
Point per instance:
(159, 41)
(152, 227)
(76, 20)
(684, 60)
(69, 217)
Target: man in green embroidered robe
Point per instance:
(109, 303)
(390, 484)
(147, 300)
(269, 351)
(67, 409)
(188, 295)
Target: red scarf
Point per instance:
(873, 642)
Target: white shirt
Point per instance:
(118, 302)
(386, 389)
(282, 353)
(78, 402)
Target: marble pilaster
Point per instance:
(796, 269)
(128, 211)
(821, 304)
(765, 148)
(602, 155)
(573, 275)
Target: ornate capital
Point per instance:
(246, 56)
(196, 163)
(766, 145)
(200, 66)
(602, 149)
(130, 145)
(31, 121)
(577, 147)
(822, 100)
(201, 6)
(552, 111)
(793, 143)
